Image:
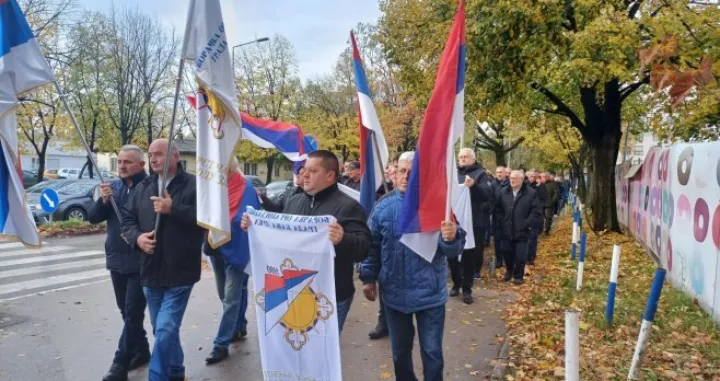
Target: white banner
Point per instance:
(294, 296)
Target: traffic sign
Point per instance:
(49, 200)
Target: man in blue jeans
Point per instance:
(170, 257)
(228, 263)
(411, 285)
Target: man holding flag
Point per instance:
(23, 67)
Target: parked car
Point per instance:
(51, 174)
(257, 183)
(276, 189)
(69, 173)
(29, 178)
(76, 199)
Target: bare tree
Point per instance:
(37, 119)
(268, 83)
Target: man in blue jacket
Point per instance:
(124, 264)
(410, 284)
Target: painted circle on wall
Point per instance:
(658, 240)
(701, 220)
(684, 165)
(665, 205)
(671, 210)
(666, 164)
(697, 271)
(716, 227)
(683, 207)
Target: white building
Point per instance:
(58, 155)
(638, 149)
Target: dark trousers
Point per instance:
(501, 246)
(549, 213)
(430, 326)
(516, 258)
(533, 243)
(382, 317)
(131, 302)
(463, 271)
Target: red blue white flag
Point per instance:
(372, 139)
(432, 176)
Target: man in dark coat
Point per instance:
(472, 174)
(553, 197)
(350, 235)
(123, 263)
(277, 206)
(170, 257)
(521, 209)
(501, 182)
(354, 176)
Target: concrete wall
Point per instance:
(671, 204)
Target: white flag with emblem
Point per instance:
(294, 296)
(218, 116)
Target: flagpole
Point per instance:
(379, 161)
(87, 147)
(178, 85)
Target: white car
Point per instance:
(69, 173)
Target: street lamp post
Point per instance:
(256, 41)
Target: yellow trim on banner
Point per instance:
(215, 245)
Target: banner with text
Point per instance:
(671, 204)
(294, 280)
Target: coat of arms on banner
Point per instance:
(289, 301)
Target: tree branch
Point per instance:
(629, 89)
(561, 106)
(515, 144)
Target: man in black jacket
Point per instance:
(472, 174)
(170, 257)
(350, 235)
(521, 210)
(277, 206)
(501, 182)
(123, 263)
(553, 196)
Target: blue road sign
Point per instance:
(49, 200)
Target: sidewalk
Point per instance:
(70, 335)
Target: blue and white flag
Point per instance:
(294, 296)
(23, 67)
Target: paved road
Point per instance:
(57, 264)
(70, 334)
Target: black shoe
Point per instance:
(507, 277)
(531, 262)
(180, 378)
(378, 332)
(217, 355)
(499, 265)
(239, 335)
(116, 373)
(139, 360)
(454, 292)
(517, 281)
(467, 298)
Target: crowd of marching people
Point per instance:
(156, 266)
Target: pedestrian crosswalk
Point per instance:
(53, 266)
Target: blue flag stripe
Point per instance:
(14, 29)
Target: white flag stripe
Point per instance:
(370, 121)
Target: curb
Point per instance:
(498, 372)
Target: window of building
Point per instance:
(250, 169)
(35, 162)
(277, 170)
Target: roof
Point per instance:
(186, 145)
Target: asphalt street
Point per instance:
(58, 321)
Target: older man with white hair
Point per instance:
(521, 210)
(472, 174)
(411, 285)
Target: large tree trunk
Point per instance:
(270, 161)
(500, 157)
(41, 165)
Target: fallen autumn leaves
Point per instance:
(684, 344)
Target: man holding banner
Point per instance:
(350, 234)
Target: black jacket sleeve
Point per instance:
(184, 208)
(356, 238)
(130, 224)
(480, 192)
(99, 212)
(536, 212)
(271, 206)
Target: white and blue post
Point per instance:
(610, 309)
(572, 345)
(581, 262)
(646, 327)
(574, 242)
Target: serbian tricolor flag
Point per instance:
(241, 194)
(372, 139)
(287, 138)
(432, 177)
(23, 67)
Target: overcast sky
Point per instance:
(318, 29)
